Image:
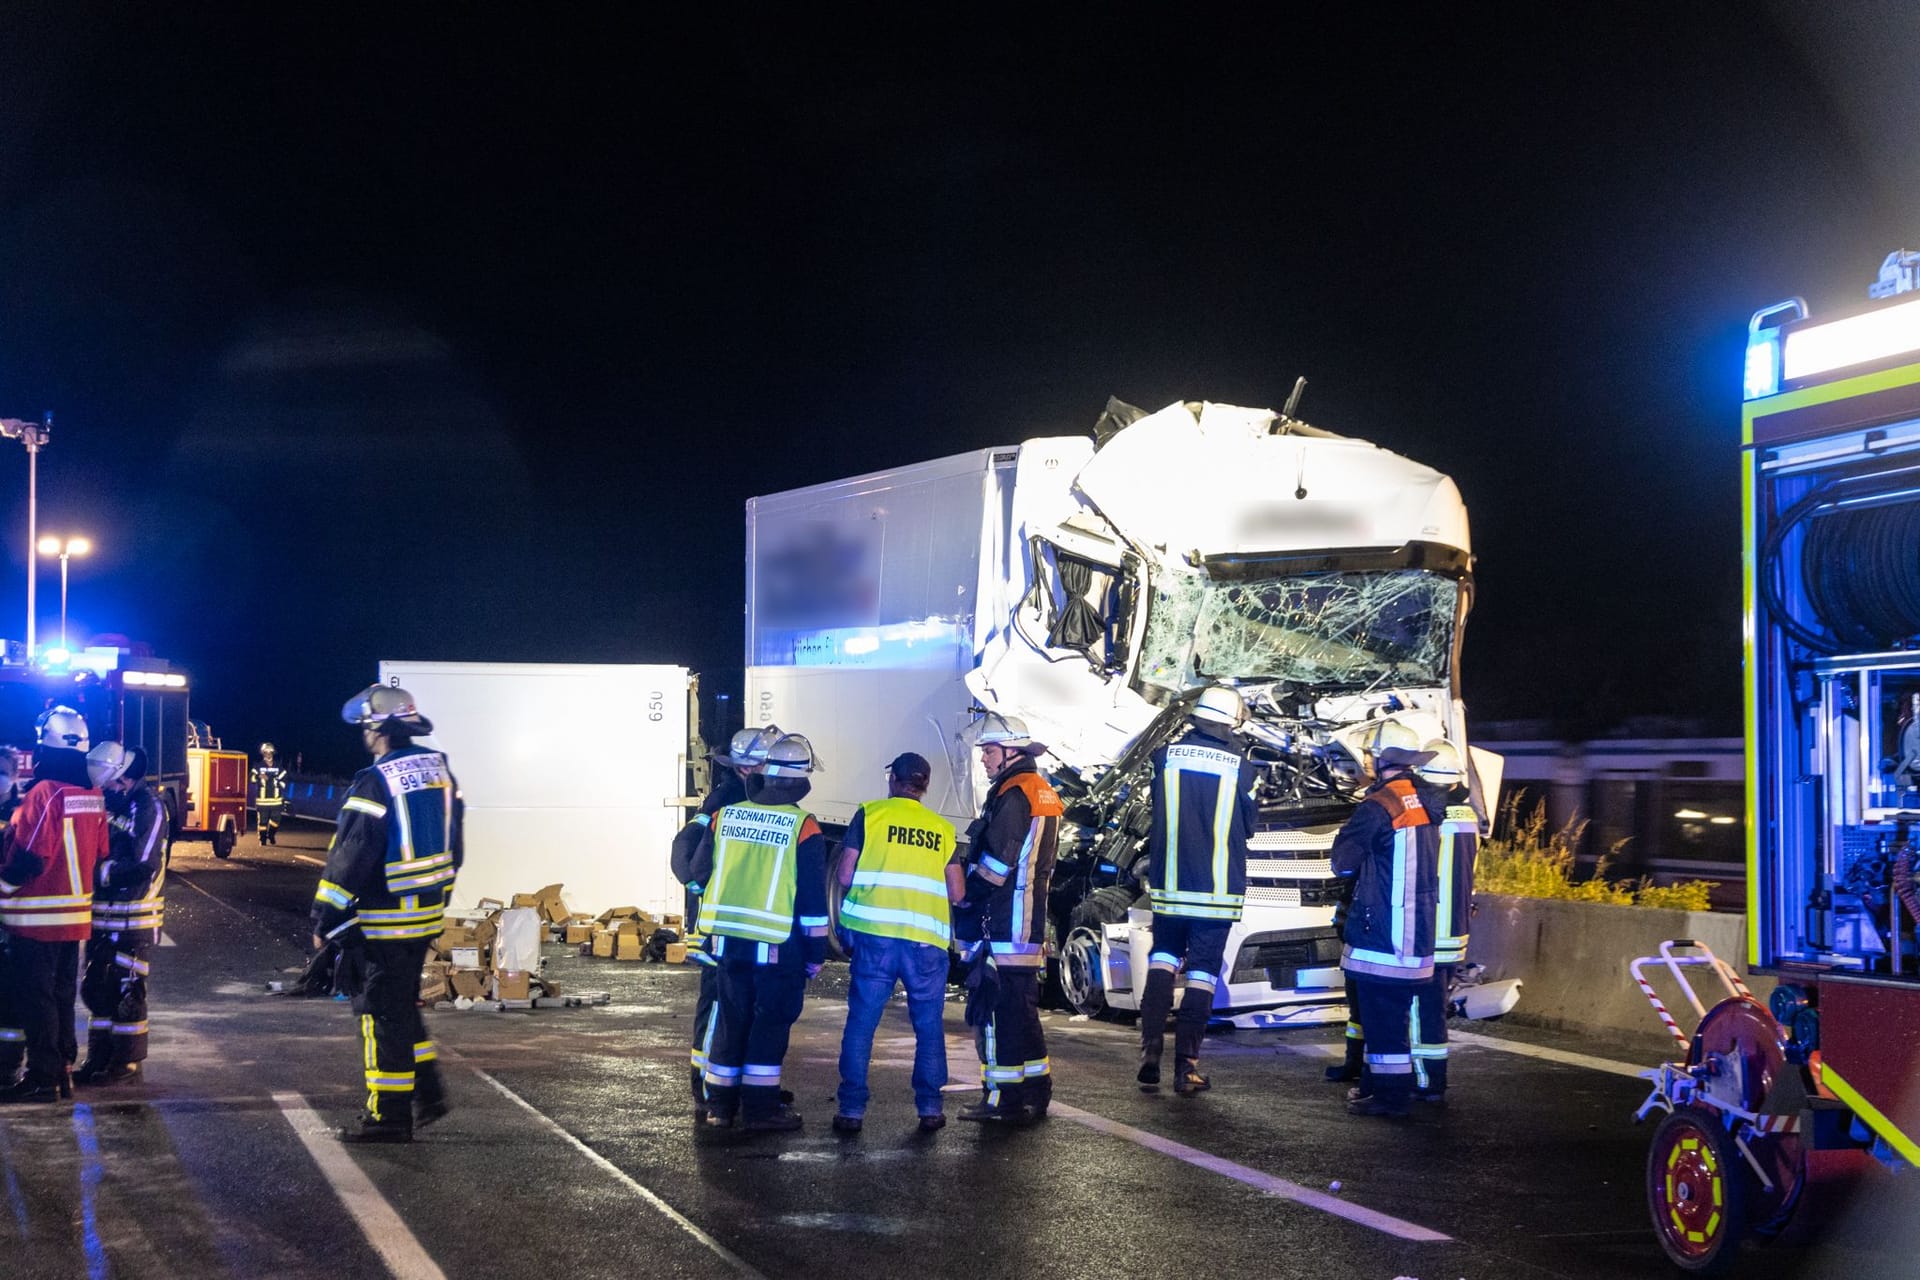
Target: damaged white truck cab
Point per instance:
(1091, 586)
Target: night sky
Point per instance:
(465, 334)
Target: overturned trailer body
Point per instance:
(1092, 585)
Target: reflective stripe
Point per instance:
(722, 1076)
(100, 1024)
(389, 1081)
(129, 1028)
(752, 889)
(1381, 964)
(333, 895)
(855, 914)
(899, 880)
(126, 961)
(27, 919)
(1038, 1067)
(360, 804)
(12, 1035)
(425, 1052)
(49, 902)
(1202, 980)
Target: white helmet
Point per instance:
(378, 703)
(266, 752)
(996, 730)
(107, 762)
(61, 727)
(1445, 769)
(749, 747)
(1220, 704)
(1391, 744)
(791, 757)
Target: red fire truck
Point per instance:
(141, 701)
(1766, 1104)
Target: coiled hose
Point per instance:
(1860, 569)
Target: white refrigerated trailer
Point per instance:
(571, 773)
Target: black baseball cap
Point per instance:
(908, 767)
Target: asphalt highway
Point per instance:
(571, 1151)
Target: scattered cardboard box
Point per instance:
(578, 933)
(525, 900)
(512, 984)
(628, 946)
(676, 953)
(467, 957)
(469, 983)
(603, 945)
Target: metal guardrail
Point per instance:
(316, 796)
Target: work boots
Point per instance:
(429, 1095)
(29, 1089)
(1187, 1078)
(367, 1129)
(762, 1111)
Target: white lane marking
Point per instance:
(223, 905)
(384, 1230)
(726, 1255)
(1567, 1057)
(317, 862)
(166, 939)
(1254, 1178)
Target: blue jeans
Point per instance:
(878, 963)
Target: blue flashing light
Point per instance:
(1763, 364)
(56, 656)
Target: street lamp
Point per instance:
(51, 546)
(34, 436)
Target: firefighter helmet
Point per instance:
(378, 704)
(61, 727)
(792, 757)
(996, 730)
(748, 749)
(266, 753)
(107, 762)
(1394, 745)
(1220, 704)
(1444, 769)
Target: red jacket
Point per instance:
(65, 827)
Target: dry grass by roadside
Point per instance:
(1536, 861)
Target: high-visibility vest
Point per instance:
(750, 893)
(900, 885)
(1459, 834)
(419, 870)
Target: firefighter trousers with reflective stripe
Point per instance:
(1197, 948)
(1429, 1030)
(1387, 1012)
(758, 1005)
(383, 979)
(38, 982)
(115, 989)
(1014, 1068)
(706, 1017)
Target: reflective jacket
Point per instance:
(269, 785)
(1459, 844)
(727, 789)
(394, 854)
(61, 829)
(1010, 865)
(1391, 849)
(761, 869)
(127, 884)
(899, 885)
(1203, 814)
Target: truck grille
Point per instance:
(1278, 957)
(1322, 893)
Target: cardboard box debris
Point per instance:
(525, 900)
(486, 905)
(469, 983)
(676, 953)
(578, 933)
(628, 946)
(512, 984)
(467, 957)
(617, 913)
(603, 945)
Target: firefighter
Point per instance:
(893, 867)
(47, 857)
(1387, 732)
(1001, 883)
(9, 783)
(126, 916)
(760, 869)
(737, 779)
(382, 899)
(1390, 849)
(1459, 844)
(1203, 815)
(269, 795)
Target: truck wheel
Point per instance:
(1083, 986)
(1696, 1191)
(223, 842)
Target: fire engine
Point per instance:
(1766, 1101)
(141, 701)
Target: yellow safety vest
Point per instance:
(900, 886)
(750, 893)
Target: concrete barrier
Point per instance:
(1572, 958)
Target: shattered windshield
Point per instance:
(1390, 627)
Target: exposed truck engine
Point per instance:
(1092, 585)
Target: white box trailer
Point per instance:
(571, 773)
(1092, 585)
